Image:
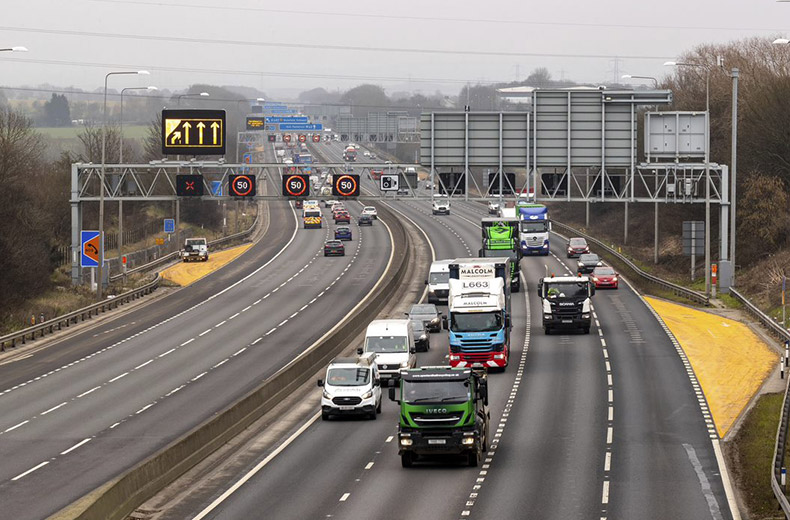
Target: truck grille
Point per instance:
(535, 242)
(569, 311)
(424, 419)
(347, 401)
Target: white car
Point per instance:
(371, 211)
(493, 208)
(366, 153)
(330, 203)
(352, 386)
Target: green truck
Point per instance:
(500, 238)
(443, 411)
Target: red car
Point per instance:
(577, 246)
(342, 216)
(604, 277)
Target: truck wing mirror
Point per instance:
(592, 289)
(444, 321)
(359, 351)
(426, 282)
(392, 394)
(412, 350)
(484, 393)
(320, 382)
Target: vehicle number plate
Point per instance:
(437, 441)
(346, 407)
(567, 321)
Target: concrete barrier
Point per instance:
(118, 498)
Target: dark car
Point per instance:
(577, 247)
(343, 233)
(587, 263)
(334, 248)
(605, 277)
(365, 220)
(298, 204)
(427, 314)
(342, 217)
(422, 340)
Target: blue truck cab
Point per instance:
(534, 227)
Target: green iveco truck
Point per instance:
(500, 238)
(443, 411)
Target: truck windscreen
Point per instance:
(533, 227)
(384, 344)
(476, 322)
(566, 290)
(415, 392)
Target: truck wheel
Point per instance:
(406, 459)
(547, 331)
(378, 407)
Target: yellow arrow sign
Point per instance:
(200, 126)
(187, 127)
(215, 127)
(175, 137)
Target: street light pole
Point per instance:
(733, 168)
(101, 177)
(632, 76)
(120, 123)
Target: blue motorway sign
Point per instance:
(291, 127)
(216, 188)
(287, 119)
(279, 110)
(246, 158)
(90, 248)
(170, 225)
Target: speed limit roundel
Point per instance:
(295, 185)
(242, 185)
(346, 186)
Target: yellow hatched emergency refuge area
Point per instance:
(186, 273)
(730, 361)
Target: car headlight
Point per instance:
(423, 337)
(595, 279)
(404, 364)
(327, 395)
(368, 394)
(547, 315)
(468, 439)
(614, 278)
(405, 441)
(435, 320)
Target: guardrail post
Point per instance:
(783, 480)
(782, 368)
(787, 351)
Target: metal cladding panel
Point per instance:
(675, 134)
(483, 137)
(586, 129)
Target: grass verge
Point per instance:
(749, 456)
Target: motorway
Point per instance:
(605, 425)
(77, 414)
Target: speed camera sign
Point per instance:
(388, 182)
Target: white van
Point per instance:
(393, 343)
(441, 204)
(438, 281)
(352, 386)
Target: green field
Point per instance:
(71, 132)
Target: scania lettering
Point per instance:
(566, 302)
(443, 411)
(535, 227)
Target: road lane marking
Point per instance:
(85, 441)
(31, 470)
(89, 391)
(138, 367)
(345, 497)
(369, 465)
(204, 333)
(17, 426)
(53, 408)
(144, 408)
(220, 324)
(163, 354)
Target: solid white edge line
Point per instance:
(75, 446)
(256, 469)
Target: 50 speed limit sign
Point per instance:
(296, 185)
(241, 185)
(346, 185)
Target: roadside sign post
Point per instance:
(694, 241)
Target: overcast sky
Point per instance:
(283, 47)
